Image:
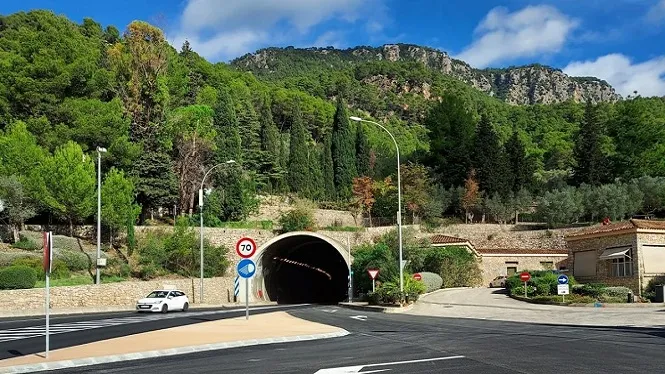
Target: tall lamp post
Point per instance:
(399, 200)
(201, 214)
(100, 150)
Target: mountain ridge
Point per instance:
(517, 85)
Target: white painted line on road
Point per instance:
(359, 318)
(357, 368)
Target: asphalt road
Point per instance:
(397, 343)
(26, 336)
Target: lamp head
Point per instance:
(357, 119)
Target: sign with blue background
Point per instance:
(246, 268)
(563, 279)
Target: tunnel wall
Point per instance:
(258, 285)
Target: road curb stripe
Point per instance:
(29, 368)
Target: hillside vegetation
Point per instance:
(168, 116)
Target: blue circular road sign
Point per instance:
(563, 279)
(246, 268)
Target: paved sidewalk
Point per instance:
(492, 304)
(259, 329)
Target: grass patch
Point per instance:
(343, 228)
(78, 280)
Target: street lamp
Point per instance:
(100, 150)
(399, 200)
(201, 214)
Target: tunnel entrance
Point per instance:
(304, 268)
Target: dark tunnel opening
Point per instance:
(304, 269)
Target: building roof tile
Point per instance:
(619, 226)
(446, 239)
(522, 251)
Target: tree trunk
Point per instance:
(110, 238)
(71, 227)
(15, 233)
(369, 214)
(466, 216)
(517, 217)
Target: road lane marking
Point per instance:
(67, 327)
(358, 368)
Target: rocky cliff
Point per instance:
(532, 84)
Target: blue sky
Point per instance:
(620, 41)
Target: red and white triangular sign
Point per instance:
(373, 273)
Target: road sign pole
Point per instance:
(525, 290)
(47, 272)
(246, 298)
(373, 285)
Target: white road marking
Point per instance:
(61, 328)
(359, 318)
(357, 368)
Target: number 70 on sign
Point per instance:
(246, 247)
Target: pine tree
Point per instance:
(591, 165)
(488, 159)
(519, 170)
(250, 135)
(343, 152)
(226, 125)
(298, 156)
(327, 168)
(362, 151)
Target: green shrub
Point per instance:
(147, 272)
(215, 260)
(59, 269)
(619, 292)
(650, 290)
(594, 290)
(26, 244)
(519, 290)
(17, 277)
(388, 293)
(413, 288)
(300, 218)
(432, 281)
(75, 260)
(7, 258)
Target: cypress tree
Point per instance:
(327, 168)
(591, 165)
(226, 124)
(343, 152)
(488, 159)
(270, 144)
(519, 171)
(298, 156)
(362, 151)
(315, 188)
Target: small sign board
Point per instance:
(417, 276)
(525, 276)
(246, 247)
(562, 279)
(246, 268)
(373, 273)
(563, 289)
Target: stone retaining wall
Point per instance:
(114, 294)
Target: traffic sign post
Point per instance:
(246, 269)
(525, 277)
(563, 288)
(246, 247)
(373, 273)
(48, 260)
(417, 276)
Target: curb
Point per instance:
(29, 368)
(377, 308)
(591, 305)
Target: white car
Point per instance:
(163, 301)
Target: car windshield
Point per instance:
(157, 294)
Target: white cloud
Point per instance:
(532, 31)
(657, 12)
(223, 29)
(329, 38)
(647, 78)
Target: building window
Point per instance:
(510, 270)
(547, 265)
(622, 267)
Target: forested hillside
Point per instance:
(167, 116)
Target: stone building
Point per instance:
(507, 261)
(626, 253)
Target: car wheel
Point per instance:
(185, 307)
(490, 285)
(503, 285)
(165, 308)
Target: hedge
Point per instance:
(17, 277)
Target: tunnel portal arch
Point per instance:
(302, 267)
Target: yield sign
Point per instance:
(373, 273)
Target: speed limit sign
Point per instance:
(246, 247)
